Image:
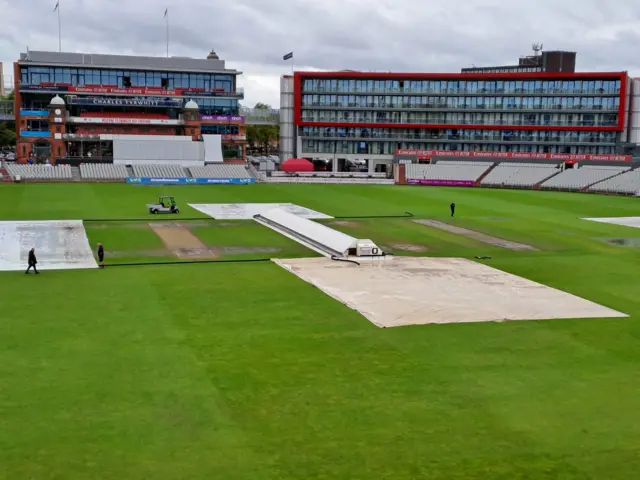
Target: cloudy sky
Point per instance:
(379, 35)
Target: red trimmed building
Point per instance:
(351, 118)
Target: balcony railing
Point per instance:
(465, 91)
(460, 138)
(331, 152)
(445, 121)
(462, 107)
(137, 90)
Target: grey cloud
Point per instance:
(401, 35)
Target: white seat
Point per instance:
(447, 170)
(103, 171)
(220, 171)
(579, 178)
(519, 174)
(627, 183)
(159, 171)
(40, 172)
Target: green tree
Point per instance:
(7, 128)
(261, 137)
(7, 134)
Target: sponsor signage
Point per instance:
(514, 155)
(126, 102)
(6, 117)
(35, 134)
(441, 183)
(234, 137)
(43, 88)
(124, 121)
(222, 118)
(190, 181)
(33, 113)
(137, 91)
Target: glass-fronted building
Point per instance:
(119, 94)
(368, 116)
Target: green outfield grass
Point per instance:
(242, 371)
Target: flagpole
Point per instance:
(166, 17)
(59, 29)
(292, 64)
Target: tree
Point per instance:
(7, 134)
(7, 128)
(261, 137)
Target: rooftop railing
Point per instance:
(259, 116)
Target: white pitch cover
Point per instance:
(622, 221)
(59, 244)
(246, 211)
(333, 239)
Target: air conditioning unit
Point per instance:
(366, 248)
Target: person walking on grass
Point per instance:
(32, 261)
(101, 255)
(453, 209)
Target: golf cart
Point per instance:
(165, 204)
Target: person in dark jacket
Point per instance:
(101, 255)
(32, 261)
(453, 209)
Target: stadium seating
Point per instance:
(103, 171)
(220, 171)
(579, 178)
(518, 174)
(448, 170)
(40, 172)
(159, 171)
(627, 183)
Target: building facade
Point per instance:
(66, 103)
(347, 117)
